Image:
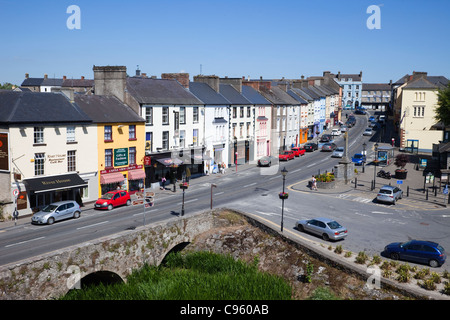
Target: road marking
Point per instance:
(188, 201)
(312, 164)
(92, 225)
(249, 185)
(216, 194)
(296, 170)
(380, 212)
(22, 242)
(266, 213)
(137, 214)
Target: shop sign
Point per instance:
(140, 166)
(4, 151)
(120, 157)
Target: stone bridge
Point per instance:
(108, 259)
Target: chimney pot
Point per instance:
(64, 77)
(82, 77)
(27, 75)
(45, 76)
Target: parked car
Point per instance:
(371, 118)
(57, 211)
(329, 146)
(367, 132)
(344, 128)
(389, 194)
(113, 199)
(426, 252)
(327, 228)
(335, 132)
(326, 138)
(358, 159)
(286, 155)
(298, 151)
(265, 161)
(338, 152)
(310, 146)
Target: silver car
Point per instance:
(57, 211)
(338, 152)
(328, 229)
(389, 194)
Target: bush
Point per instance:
(403, 275)
(447, 288)
(361, 258)
(428, 284)
(338, 249)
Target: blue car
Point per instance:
(358, 159)
(425, 252)
(371, 118)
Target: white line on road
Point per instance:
(137, 214)
(22, 242)
(380, 212)
(312, 164)
(216, 194)
(92, 225)
(296, 170)
(188, 201)
(249, 185)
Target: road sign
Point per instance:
(445, 191)
(399, 181)
(16, 192)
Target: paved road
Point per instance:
(254, 190)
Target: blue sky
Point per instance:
(273, 39)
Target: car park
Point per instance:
(265, 161)
(335, 132)
(57, 211)
(310, 146)
(367, 132)
(113, 199)
(426, 252)
(286, 155)
(298, 151)
(329, 146)
(327, 228)
(358, 159)
(338, 152)
(389, 194)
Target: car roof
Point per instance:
(431, 243)
(325, 220)
(62, 202)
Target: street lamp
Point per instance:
(375, 164)
(364, 155)
(283, 196)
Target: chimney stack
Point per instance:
(27, 75)
(212, 81)
(182, 78)
(45, 76)
(64, 77)
(110, 80)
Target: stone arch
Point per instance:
(105, 277)
(176, 248)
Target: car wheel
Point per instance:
(325, 237)
(270, 163)
(76, 215)
(300, 228)
(50, 220)
(395, 256)
(128, 202)
(110, 207)
(433, 263)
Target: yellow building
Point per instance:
(120, 141)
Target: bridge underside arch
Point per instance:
(177, 248)
(100, 277)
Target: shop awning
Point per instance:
(53, 183)
(109, 178)
(136, 174)
(169, 161)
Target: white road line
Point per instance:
(137, 214)
(312, 164)
(296, 170)
(22, 242)
(188, 201)
(380, 212)
(249, 185)
(92, 225)
(216, 194)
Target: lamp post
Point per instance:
(283, 196)
(375, 161)
(364, 155)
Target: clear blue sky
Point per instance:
(273, 39)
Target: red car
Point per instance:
(286, 155)
(113, 199)
(298, 151)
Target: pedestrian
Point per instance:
(223, 167)
(314, 186)
(163, 183)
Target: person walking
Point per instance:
(163, 183)
(313, 186)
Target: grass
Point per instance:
(194, 276)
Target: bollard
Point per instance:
(427, 195)
(407, 191)
(435, 191)
(356, 181)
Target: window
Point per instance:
(39, 159)
(148, 116)
(148, 141)
(108, 158)
(71, 161)
(70, 134)
(195, 110)
(183, 115)
(38, 134)
(182, 138)
(132, 132)
(241, 130)
(132, 155)
(165, 115)
(419, 111)
(248, 129)
(241, 112)
(165, 140)
(234, 130)
(249, 114)
(234, 112)
(108, 133)
(195, 137)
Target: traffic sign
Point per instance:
(399, 181)
(445, 191)
(16, 192)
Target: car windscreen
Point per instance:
(334, 225)
(441, 249)
(107, 196)
(49, 208)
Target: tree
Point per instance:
(7, 86)
(401, 160)
(443, 108)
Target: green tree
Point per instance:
(443, 108)
(6, 86)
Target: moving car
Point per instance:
(367, 132)
(358, 159)
(286, 155)
(310, 146)
(338, 153)
(113, 199)
(360, 111)
(328, 229)
(298, 151)
(329, 146)
(57, 211)
(265, 161)
(344, 128)
(350, 122)
(426, 252)
(389, 194)
(335, 132)
(371, 118)
(326, 138)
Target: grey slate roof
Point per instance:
(302, 94)
(160, 91)
(232, 95)
(36, 82)
(376, 87)
(254, 96)
(311, 93)
(420, 83)
(18, 107)
(208, 95)
(296, 96)
(106, 109)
